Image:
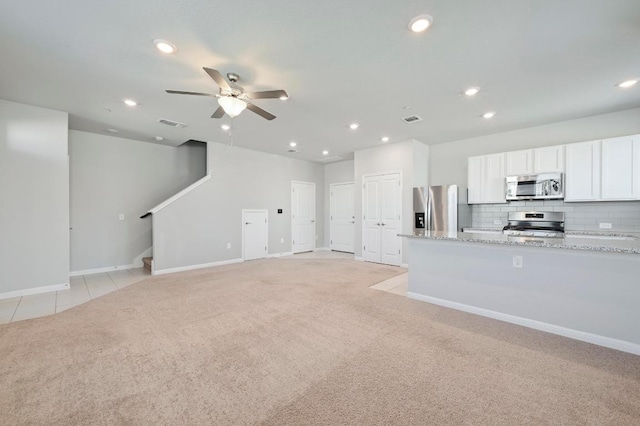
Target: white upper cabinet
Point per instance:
(533, 161)
(519, 162)
(582, 180)
(486, 179)
(621, 168)
(548, 159)
(475, 178)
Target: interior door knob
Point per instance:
(247, 223)
(382, 224)
(312, 220)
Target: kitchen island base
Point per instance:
(585, 295)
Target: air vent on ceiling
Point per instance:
(292, 150)
(412, 119)
(171, 123)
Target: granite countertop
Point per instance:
(611, 243)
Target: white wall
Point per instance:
(110, 176)
(449, 160)
(409, 157)
(341, 172)
(196, 228)
(34, 199)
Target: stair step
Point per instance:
(147, 263)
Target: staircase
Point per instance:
(147, 263)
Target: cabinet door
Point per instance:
(583, 171)
(548, 159)
(621, 168)
(519, 162)
(494, 178)
(475, 180)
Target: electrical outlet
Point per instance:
(281, 240)
(121, 216)
(497, 222)
(517, 262)
(604, 225)
(228, 246)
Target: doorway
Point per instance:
(342, 217)
(255, 234)
(303, 216)
(382, 218)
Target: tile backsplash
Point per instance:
(623, 216)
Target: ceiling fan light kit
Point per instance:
(232, 105)
(233, 99)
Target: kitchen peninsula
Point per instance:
(585, 287)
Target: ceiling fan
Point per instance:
(232, 98)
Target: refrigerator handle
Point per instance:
(428, 218)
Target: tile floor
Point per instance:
(83, 288)
(87, 287)
(396, 285)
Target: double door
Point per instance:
(382, 212)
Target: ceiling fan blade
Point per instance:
(260, 111)
(215, 74)
(269, 94)
(219, 113)
(180, 92)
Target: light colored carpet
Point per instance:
(299, 341)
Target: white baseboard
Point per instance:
(358, 258)
(322, 249)
(405, 265)
(99, 270)
(34, 290)
(596, 339)
(286, 253)
(192, 267)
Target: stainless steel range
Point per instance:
(536, 224)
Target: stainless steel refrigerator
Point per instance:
(436, 208)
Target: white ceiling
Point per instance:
(536, 62)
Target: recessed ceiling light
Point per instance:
(627, 83)
(354, 126)
(284, 98)
(159, 138)
(385, 139)
(420, 23)
(225, 127)
(164, 46)
(325, 152)
(292, 144)
(489, 114)
(112, 130)
(130, 102)
(471, 91)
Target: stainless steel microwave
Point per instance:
(545, 186)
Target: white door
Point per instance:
(303, 216)
(382, 205)
(342, 219)
(255, 234)
(371, 219)
(390, 206)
